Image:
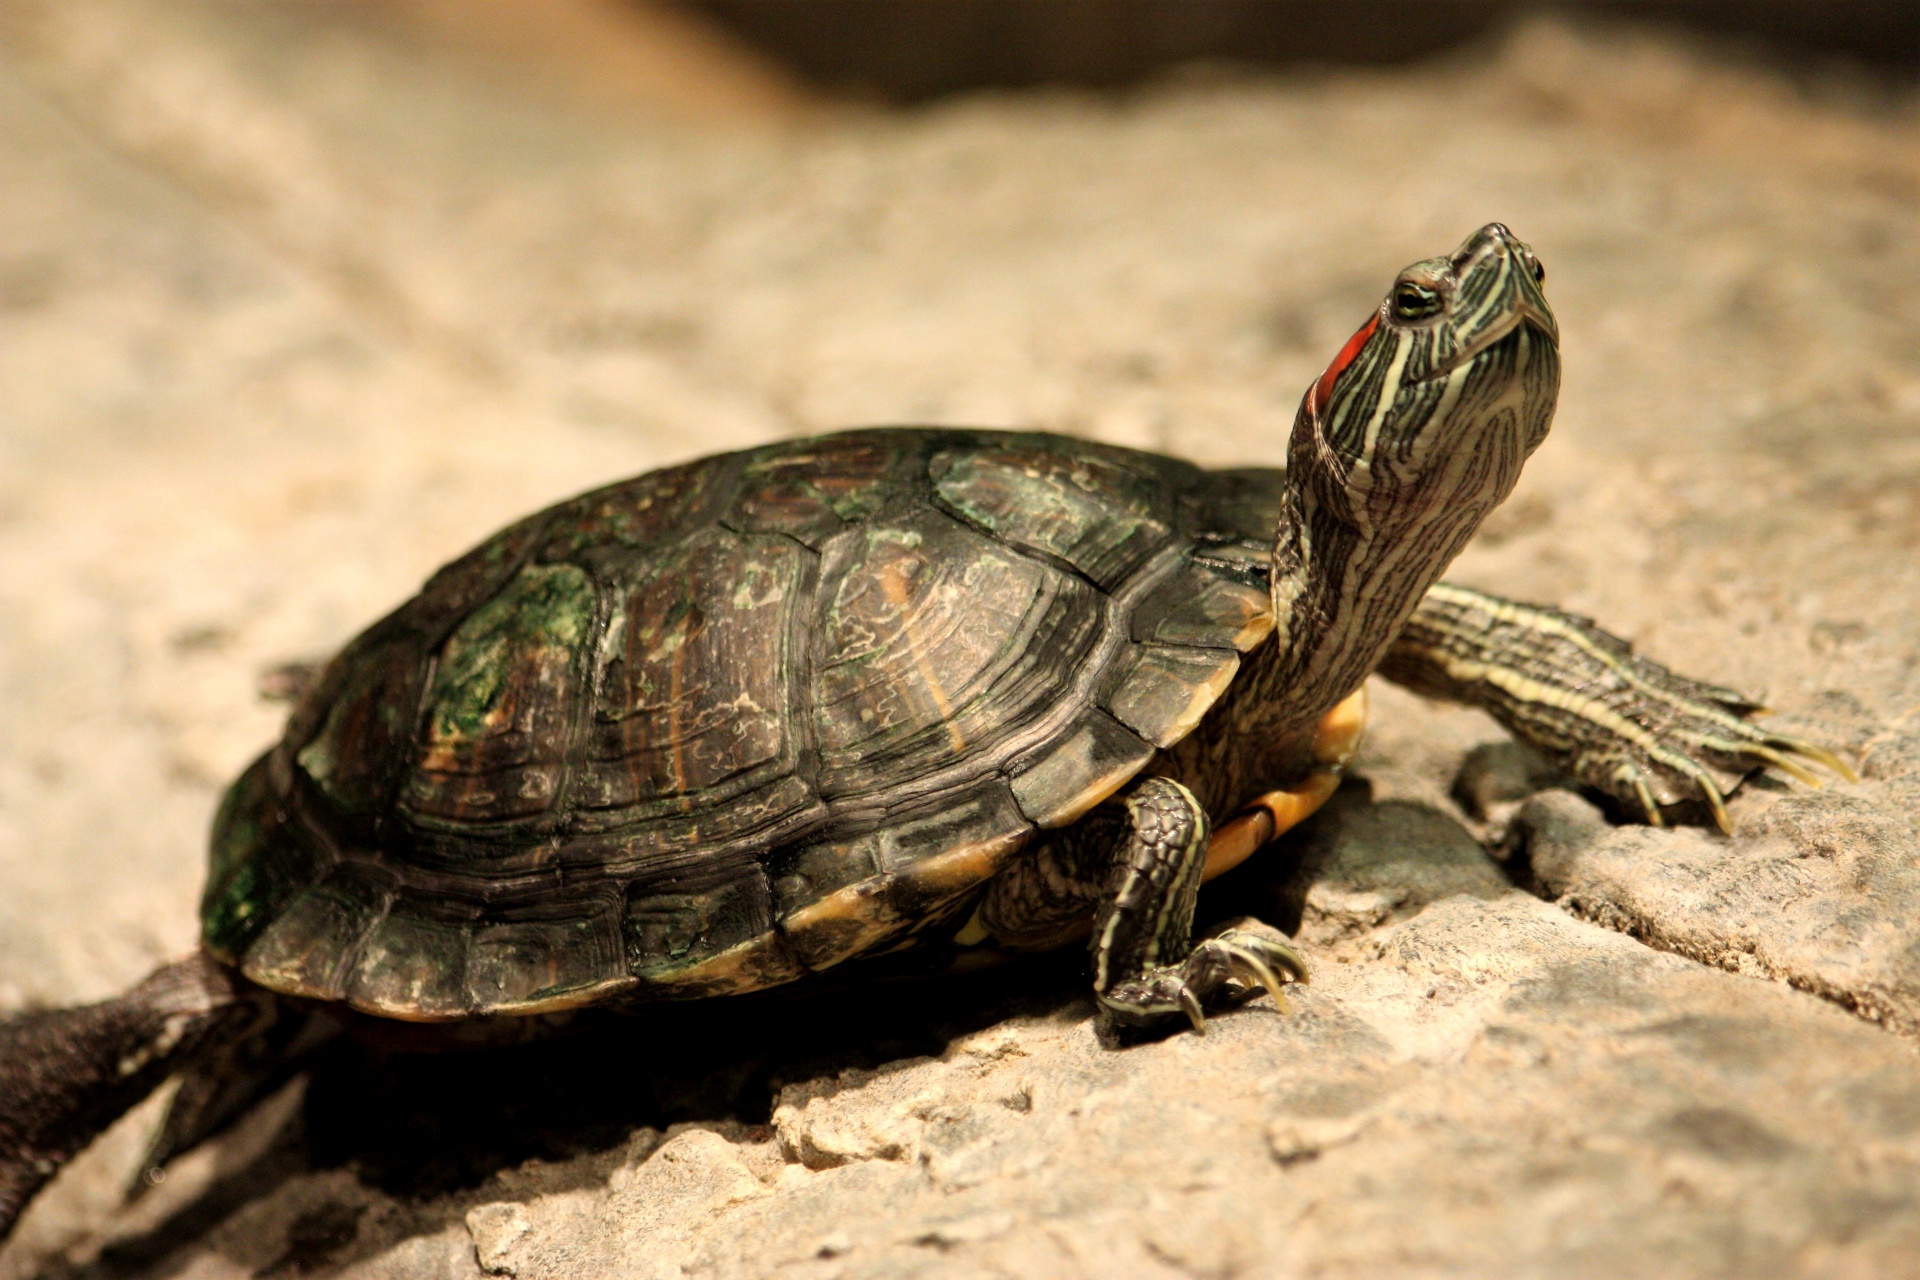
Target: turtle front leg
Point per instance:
(1135, 866)
(1615, 721)
(1146, 965)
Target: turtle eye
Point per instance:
(1415, 301)
(1539, 271)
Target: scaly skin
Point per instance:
(1615, 721)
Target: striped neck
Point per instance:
(1417, 429)
(1343, 589)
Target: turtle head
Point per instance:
(1430, 409)
(1416, 430)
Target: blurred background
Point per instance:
(918, 49)
(299, 298)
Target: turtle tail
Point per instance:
(66, 1074)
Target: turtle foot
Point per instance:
(1242, 957)
(1667, 741)
(1701, 758)
(1615, 721)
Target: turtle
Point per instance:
(741, 722)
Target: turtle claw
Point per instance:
(1259, 971)
(1812, 751)
(1690, 750)
(1709, 790)
(1786, 764)
(1242, 954)
(1190, 1005)
(1715, 802)
(1642, 792)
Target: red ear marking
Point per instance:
(1323, 389)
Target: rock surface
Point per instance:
(296, 302)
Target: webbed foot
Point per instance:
(1242, 956)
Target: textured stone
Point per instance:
(294, 311)
(1820, 892)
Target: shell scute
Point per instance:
(568, 954)
(1079, 770)
(1164, 690)
(804, 874)
(353, 734)
(813, 492)
(634, 515)
(695, 668)
(500, 705)
(365, 721)
(313, 943)
(918, 866)
(1098, 514)
(1243, 503)
(764, 817)
(933, 640)
(716, 940)
(413, 965)
(1204, 605)
(254, 867)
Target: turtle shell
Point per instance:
(731, 723)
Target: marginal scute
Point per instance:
(947, 855)
(1164, 690)
(571, 957)
(1093, 512)
(1089, 764)
(752, 965)
(500, 706)
(413, 966)
(804, 875)
(829, 910)
(705, 941)
(256, 863)
(314, 941)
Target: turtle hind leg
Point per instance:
(69, 1073)
(227, 1079)
(1624, 725)
(1147, 967)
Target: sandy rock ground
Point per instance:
(297, 301)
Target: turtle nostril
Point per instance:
(1492, 240)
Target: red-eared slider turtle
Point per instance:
(737, 722)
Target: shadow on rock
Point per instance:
(420, 1124)
(1357, 865)
(430, 1128)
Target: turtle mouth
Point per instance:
(1523, 313)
